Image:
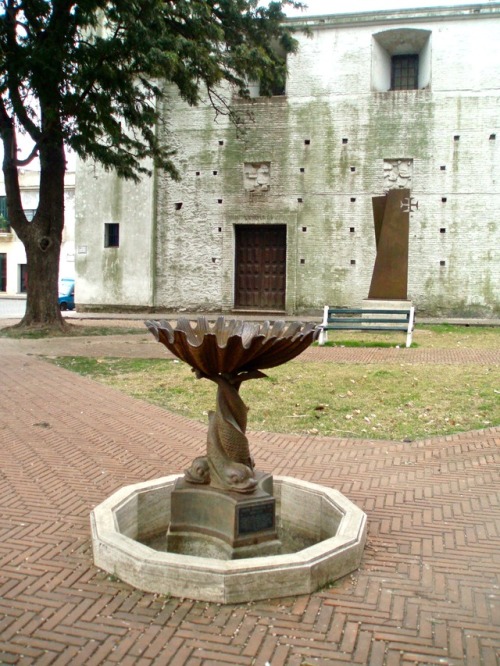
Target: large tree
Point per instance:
(89, 74)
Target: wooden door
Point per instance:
(260, 282)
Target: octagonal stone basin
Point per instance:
(315, 514)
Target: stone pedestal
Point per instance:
(209, 522)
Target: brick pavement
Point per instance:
(426, 592)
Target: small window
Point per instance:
(112, 235)
(401, 60)
(23, 278)
(3, 271)
(4, 218)
(404, 72)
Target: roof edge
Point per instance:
(456, 12)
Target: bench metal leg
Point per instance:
(411, 324)
(322, 337)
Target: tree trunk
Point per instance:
(42, 307)
(42, 236)
(42, 242)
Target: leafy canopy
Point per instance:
(91, 72)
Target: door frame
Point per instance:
(283, 229)
(229, 255)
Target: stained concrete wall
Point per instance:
(326, 142)
(113, 276)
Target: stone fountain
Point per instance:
(224, 531)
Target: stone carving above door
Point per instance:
(398, 174)
(256, 176)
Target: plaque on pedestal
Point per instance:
(226, 524)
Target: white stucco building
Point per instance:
(13, 268)
(279, 217)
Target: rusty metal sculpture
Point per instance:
(228, 353)
(391, 214)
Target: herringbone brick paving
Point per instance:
(426, 591)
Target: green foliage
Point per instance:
(92, 72)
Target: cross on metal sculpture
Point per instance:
(409, 205)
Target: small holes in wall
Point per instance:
(443, 167)
(493, 137)
(307, 142)
(351, 230)
(300, 199)
(214, 260)
(353, 199)
(221, 143)
(304, 228)
(198, 173)
(442, 263)
(302, 170)
(219, 201)
(444, 199)
(344, 140)
(219, 229)
(302, 261)
(215, 172)
(178, 205)
(353, 169)
(456, 137)
(442, 230)
(353, 262)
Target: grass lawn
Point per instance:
(72, 330)
(436, 336)
(399, 402)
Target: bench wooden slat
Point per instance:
(341, 327)
(343, 311)
(367, 320)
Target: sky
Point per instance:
(317, 7)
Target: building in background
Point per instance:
(276, 216)
(13, 270)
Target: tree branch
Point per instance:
(17, 218)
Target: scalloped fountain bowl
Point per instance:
(325, 535)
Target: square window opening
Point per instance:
(404, 72)
(112, 235)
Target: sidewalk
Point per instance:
(426, 592)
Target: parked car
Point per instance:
(67, 294)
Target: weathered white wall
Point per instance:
(351, 130)
(109, 276)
